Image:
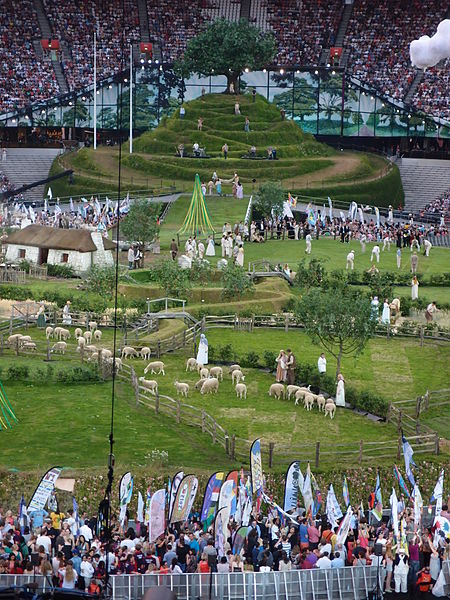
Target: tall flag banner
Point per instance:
(307, 491)
(291, 486)
(247, 510)
(234, 477)
(174, 489)
(345, 492)
(352, 211)
(76, 516)
(71, 206)
(256, 466)
(341, 214)
(361, 215)
(401, 481)
(408, 456)
(220, 532)
(377, 215)
(156, 525)
(278, 508)
(344, 527)
(197, 220)
(147, 507)
(330, 208)
(22, 514)
(44, 489)
(317, 503)
(45, 206)
(211, 498)
(311, 217)
(140, 509)
(7, 413)
(50, 193)
(333, 509)
(377, 510)
(125, 493)
(394, 514)
(437, 494)
(418, 505)
(225, 496)
(239, 539)
(187, 490)
(323, 215)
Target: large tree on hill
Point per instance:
(141, 224)
(228, 48)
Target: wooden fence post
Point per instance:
(421, 336)
(10, 325)
(17, 346)
(203, 421)
(156, 403)
(436, 444)
(49, 355)
(1, 343)
(271, 447)
(317, 454)
(227, 444)
(286, 323)
(418, 402)
(399, 447)
(360, 450)
(214, 432)
(178, 418)
(399, 422)
(233, 446)
(158, 349)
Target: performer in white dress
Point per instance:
(202, 354)
(386, 314)
(240, 257)
(340, 391)
(374, 308)
(414, 288)
(210, 249)
(67, 317)
(201, 250)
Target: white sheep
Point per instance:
(145, 353)
(78, 333)
(199, 367)
(97, 335)
(198, 385)
(300, 394)
(92, 325)
(128, 351)
(241, 390)
(182, 388)
(216, 372)
(64, 334)
(81, 342)
(117, 362)
(49, 332)
(321, 402)
(150, 384)
(93, 357)
(308, 401)
(236, 376)
(59, 347)
(87, 336)
(14, 339)
(209, 386)
(330, 408)
(191, 364)
(277, 390)
(56, 332)
(90, 348)
(232, 368)
(204, 373)
(29, 346)
(105, 353)
(157, 366)
(24, 339)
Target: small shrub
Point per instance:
(225, 353)
(250, 360)
(235, 282)
(17, 372)
(63, 271)
(269, 359)
(24, 265)
(200, 271)
(172, 279)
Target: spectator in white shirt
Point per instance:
(324, 562)
(45, 541)
(322, 364)
(86, 531)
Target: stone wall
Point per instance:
(102, 258)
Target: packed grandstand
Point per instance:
(372, 40)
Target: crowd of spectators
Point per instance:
(431, 95)
(24, 77)
(440, 205)
(7, 186)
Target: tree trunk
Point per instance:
(232, 80)
(338, 361)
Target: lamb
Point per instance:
(118, 363)
(277, 390)
(92, 326)
(97, 335)
(236, 376)
(330, 408)
(216, 372)
(145, 353)
(308, 401)
(157, 366)
(59, 347)
(300, 393)
(199, 384)
(78, 333)
(209, 386)
(29, 346)
(204, 373)
(234, 368)
(106, 353)
(64, 334)
(128, 351)
(191, 364)
(199, 367)
(321, 402)
(87, 336)
(49, 332)
(150, 384)
(90, 348)
(14, 339)
(93, 357)
(241, 390)
(24, 339)
(182, 388)
(291, 390)
(56, 331)
(81, 342)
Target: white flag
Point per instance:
(334, 511)
(140, 509)
(330, 208)
(72, 209)
(50, 193)
(394, 513)
(437, 494)
(418, 505)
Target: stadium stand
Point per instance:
(432, 95)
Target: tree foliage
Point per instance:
(141, 223)
(270, 198)
(235, 282)
(101, 280)
(172, 279)
(227, 48)
(338, 319)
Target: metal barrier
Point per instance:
(348, 583)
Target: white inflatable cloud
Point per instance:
(427, 52)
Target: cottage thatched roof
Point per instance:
(54, 238)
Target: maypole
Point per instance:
(197, 220)
(6, 412)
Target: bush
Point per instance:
(200, 271)
(235, 282)
(310, 275)
(250, 360)
(63, 271)
(226, 353)
(14, 292)
(24, 265)
(77, 375)
(269, 359)
(101, 280)
(17, 372)
(172, 279)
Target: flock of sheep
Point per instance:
(327, 405)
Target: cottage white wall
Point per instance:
(31, 253)
(79, 261)
(102, 258)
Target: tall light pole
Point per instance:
(131, 98)
(95, 91)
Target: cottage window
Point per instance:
(65, 258)
(22, 252)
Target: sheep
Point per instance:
(241, 390)
(204, 373)
(150, 384)
(182, 388)
(59, 347)
(157, 366)
(128, 351)
(145, 353)
(81, 342)
(277, 390)
(216, 372)
(300, 393)
(64, 334)
(90, 348)
(106, 353)
(199, 384)
(78, 333)
(117, 362)
(49, 332)
(87, 336)
(93, 357)
(24, 339)
(321, 402)
(14, 339)
(291, 390)
(234, 368)
(236, 376)
(97, 335)
(92, 326)
(56, 332)
(29, 346)
(199, 367)
(209, 386)
(308, 401)
(191, 364)
(330, 408)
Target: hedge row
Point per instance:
(78, 374)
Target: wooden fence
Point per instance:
(431, 399)
(12, 275)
